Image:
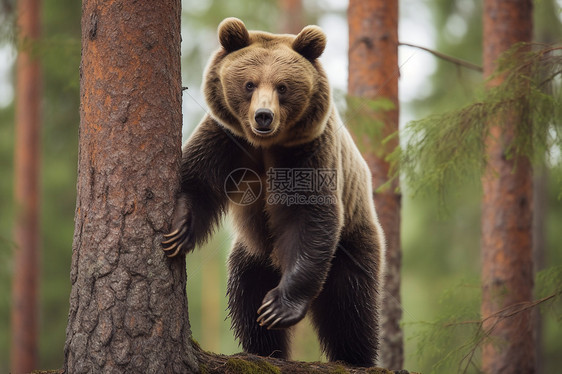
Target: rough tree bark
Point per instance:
(26, 192)
(128, 306)
(507, 266)
(373, 74)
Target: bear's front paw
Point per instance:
(277, 312)
(180, 240)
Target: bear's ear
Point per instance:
(233, 34)
(310, 42)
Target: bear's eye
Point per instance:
(250, 86)
(281, 88)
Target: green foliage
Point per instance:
(6, 224)
(452, 342)
(549, 282)
(439, 249)
(443, 149)
(447, 150)
(548, 288)
(446, 345)
(530, 93)
(364, 118)
(7, 21)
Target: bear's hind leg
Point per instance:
(345, 313)
(250, 278)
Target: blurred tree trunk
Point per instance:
(292, 16)
(210, 303)
(373, 75)
(26, 192)
(507, 265)
(128, 305)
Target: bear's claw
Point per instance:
(176, 242)
(174, 237)
(170, 235)
(262, 321)
(181, 239)
(278, 312)
(274, 323)
(264, 305)
(169, 249)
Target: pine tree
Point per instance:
(373, 116)
(128, 307)
(25, 296)
(507, 265)
(496, 139)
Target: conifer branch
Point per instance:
(508, 311)
(484, 333)
(549, 79)
(449, 148)
(454, 60)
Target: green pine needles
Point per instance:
(452, 342)
(449, 343)
(444, 150)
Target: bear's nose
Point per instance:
(263, 118)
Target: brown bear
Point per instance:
(274, 153)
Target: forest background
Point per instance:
(440, 242)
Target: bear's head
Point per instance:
(269, 89)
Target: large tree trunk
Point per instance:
(26, 193)
(507, 266)
(128, 306)
(373, 74)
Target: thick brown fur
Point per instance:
(326, 258)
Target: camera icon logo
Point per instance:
(243, 186)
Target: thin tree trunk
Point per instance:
(210, 304)
(507, 265)
(128, 306)
(373, 74)
(292, 16)
(26, 193)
